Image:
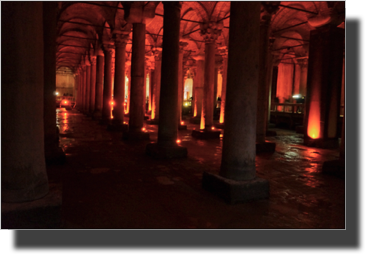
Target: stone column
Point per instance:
(263, 89)
(198, 89)
(83, 87)
(210, 32)
(151, 83)
(119, 82)
(324, 82)
(92, 84)
(107, 93)
(156, 87)
(237, 181)
(166, 146)
(53, 153)
(303, 80)
(78, 87)
(88, 85)
(23, 169)
(99, 84)
(137, 111)
(224, 85)
(180, 85)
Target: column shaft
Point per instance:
(119, 83)
(107, 93)
(207, 106)
(239, 143)
(23, 176)
(199, 86)
(99, 86)
(137, 111)
(180, 85)
(88, 86)
(92, 84)
(224, 87)
(156, 87)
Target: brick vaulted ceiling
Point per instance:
(83, 27)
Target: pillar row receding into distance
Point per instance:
(224, 53)
(88, 85)
(166, 146)
(156, 86)
(92, 84)
(181, 126)
(237, 180)
(198, 89)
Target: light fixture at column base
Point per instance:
(232, 191)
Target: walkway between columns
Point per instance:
(109, 183)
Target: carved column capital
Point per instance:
(120, 38)
(211, 31)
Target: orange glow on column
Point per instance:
(178, 141)
(195, 111)
(221, 118)
(202, 125)
(313, 126)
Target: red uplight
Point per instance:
(213, 128)
(182, 123)
(178, 141)
(143, 129)
(65, 102)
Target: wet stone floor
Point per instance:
(110, 183)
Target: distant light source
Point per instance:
(182, 123)
(178, 141)
(111, 103)
(212, 128)
(297, 96)
(143, 129)
(56, 93)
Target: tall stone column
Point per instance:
(119, 82)
(224, 85)
(137, 111)
(324, 82)
(23, 169)
(84, 87)
(166, 146)
(156, 87)
(151, 84)
(237, 181)
(263, 88)
(88, 85)
(92, 84)
(303, 80)
(198, 89)
(107, 93)
(210, 32)
(180, 84)
(79, 91)
(99, 85)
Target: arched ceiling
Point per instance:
(84, 26)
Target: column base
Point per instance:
(135, 136)
(44, 213)
(232, 191)
(195, 120)
(206, 134)
(300, 129)
(159, 152)
(117, 127)
(104, 121)
(335, 167)
(152, 122)
(265, 147)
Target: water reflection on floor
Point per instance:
(110, 183)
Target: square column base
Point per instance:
(232, 191)
(159, 152)
(206, 134)
(322, 143)
(265, 147)
(182, 127)
(135, 136)
(271, 133)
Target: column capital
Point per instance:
(211, 31)
(157, 54)
(93, 60)
(120, 38)
(199, 57)
(182, 45)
